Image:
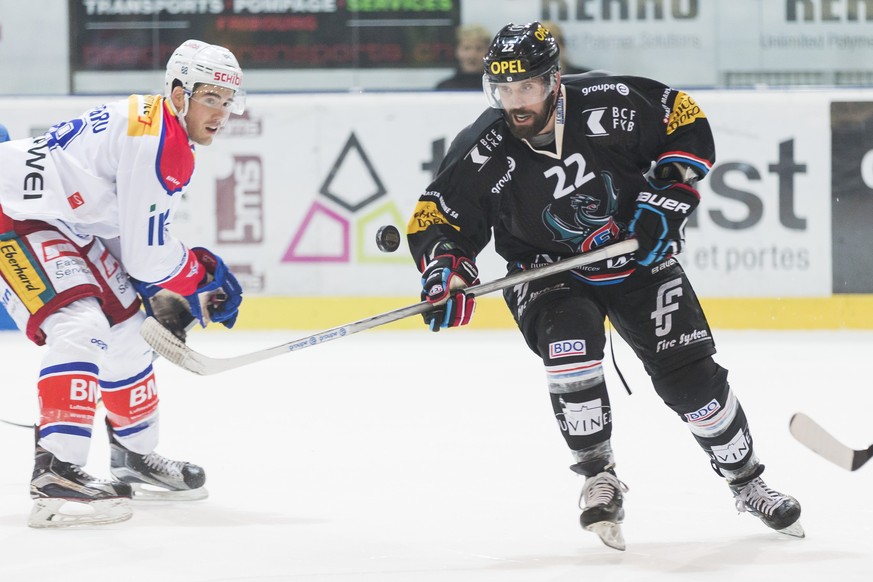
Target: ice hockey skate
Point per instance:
(777, 510)
(602, 502)
(65, 495)
(153, 477)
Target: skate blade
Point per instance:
(794, 530)
(609, 533)
(143, 492)
(54, 512)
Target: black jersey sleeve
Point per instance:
(454, 210)
(683, 135)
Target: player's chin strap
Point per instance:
(615, 363)
(180, 115)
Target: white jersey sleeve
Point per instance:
(115, 172)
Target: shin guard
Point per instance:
(132, 410)
(700, 394)
(581, 403)
(68, 401)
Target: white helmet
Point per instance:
(199, 62)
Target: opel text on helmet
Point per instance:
(199, 63)
(518, 53)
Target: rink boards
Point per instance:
(293, 193)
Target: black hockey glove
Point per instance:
(659, 221)
(170, 309)
(442, 282)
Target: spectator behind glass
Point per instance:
(567, 68)
(473, 41)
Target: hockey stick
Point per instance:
(21, 424)
(33, 425)
(179, 353)
(820, 441)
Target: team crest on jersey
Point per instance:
(591, 224)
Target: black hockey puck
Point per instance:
(388, 238)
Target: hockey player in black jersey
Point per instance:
(557, 167)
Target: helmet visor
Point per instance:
(227, 100)
(517, 94)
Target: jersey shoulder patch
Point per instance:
(144, 115)
(685, 111)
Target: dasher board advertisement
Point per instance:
(294, 191)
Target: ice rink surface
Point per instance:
(410, 456)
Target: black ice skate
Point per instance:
(602, 502)
(777, 510)
(65, 495)
(154, 477)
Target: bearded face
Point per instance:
(527, 104)
(528, 121)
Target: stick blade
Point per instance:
(814, 437)
(861, 457)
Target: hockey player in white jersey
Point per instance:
(84, 235)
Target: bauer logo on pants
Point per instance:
(25, 280)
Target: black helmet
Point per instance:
(520, 52)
